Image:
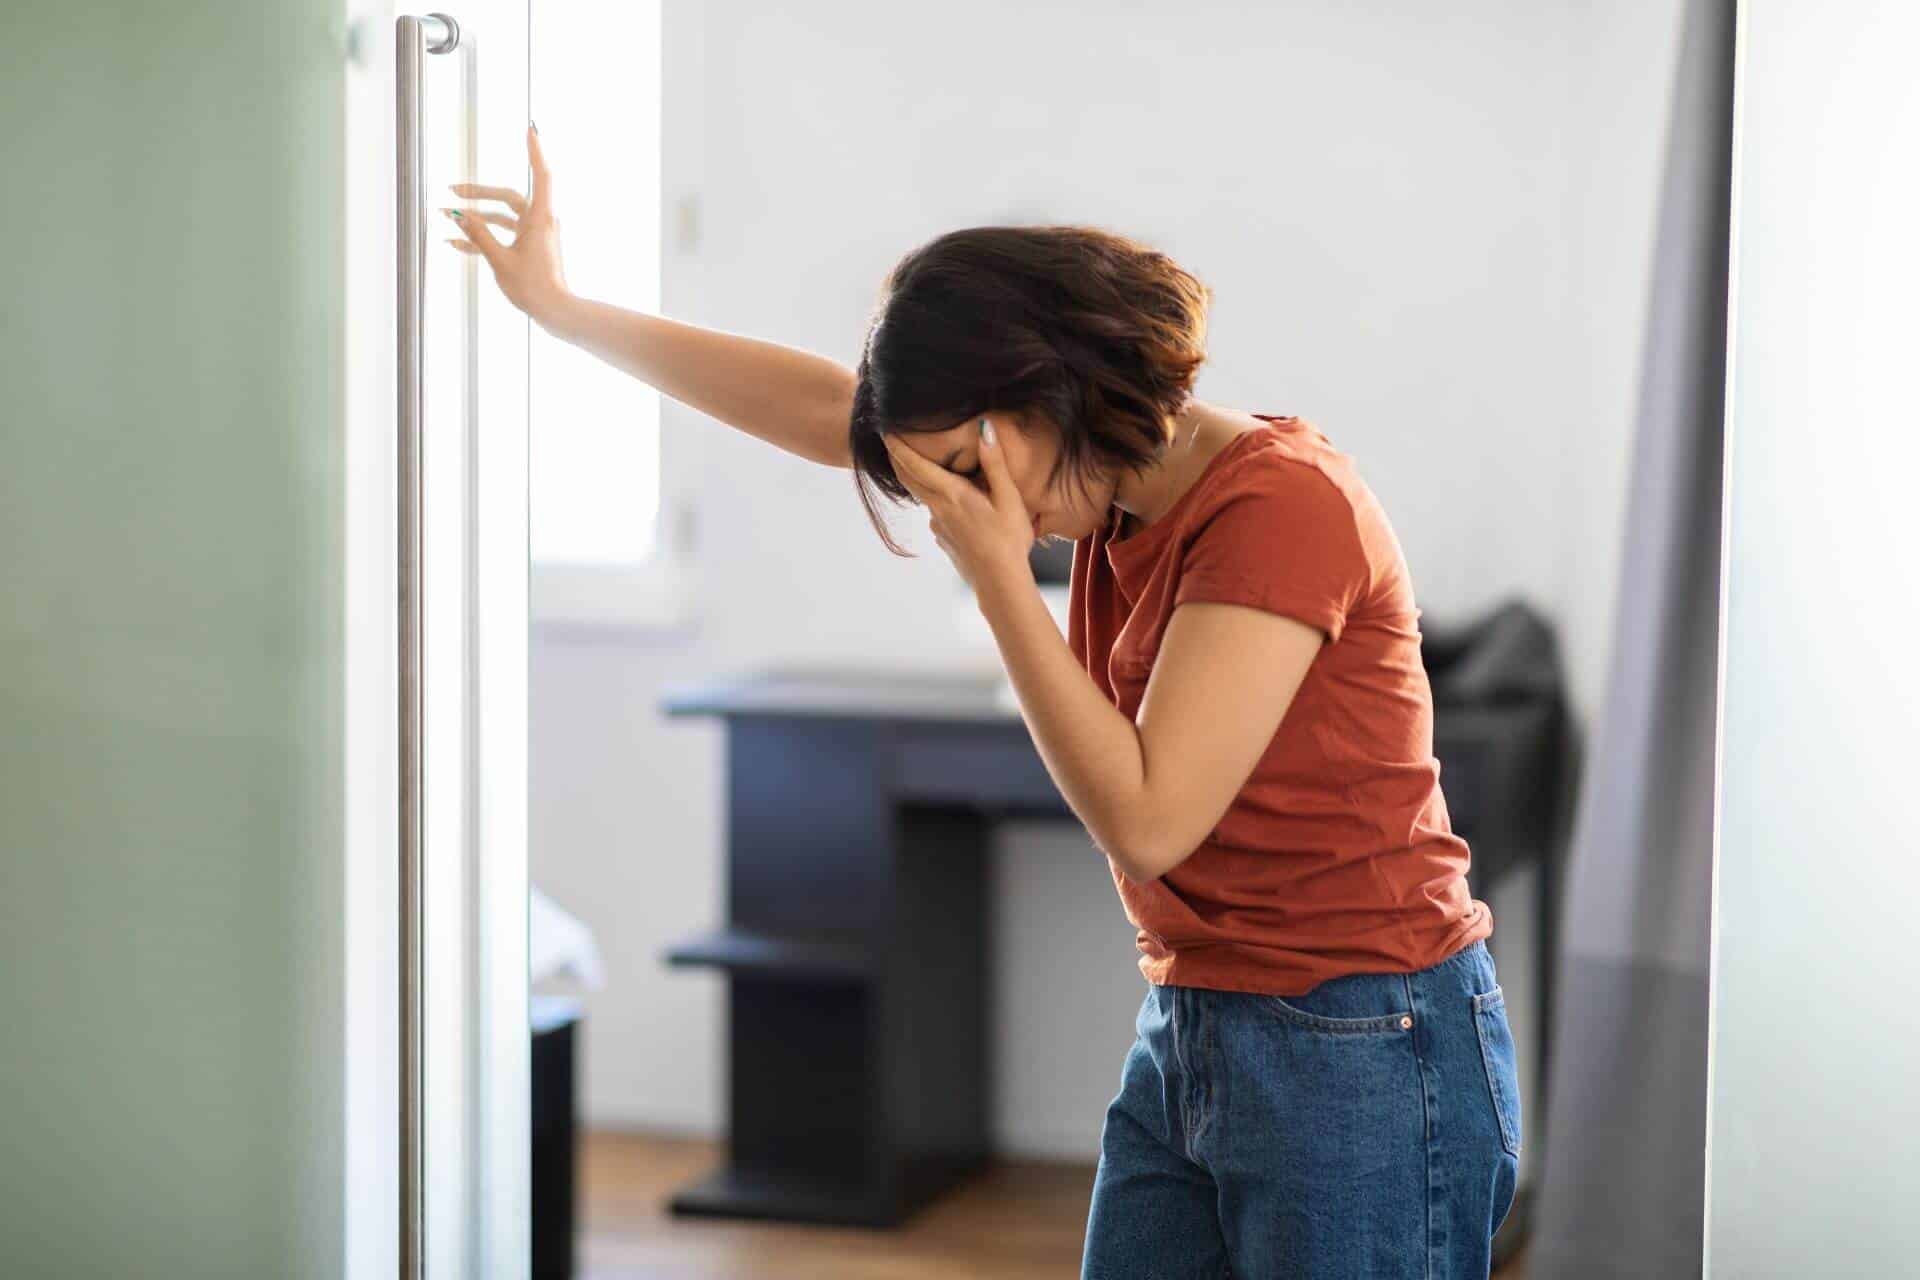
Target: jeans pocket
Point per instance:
(1497, 1056)
(1398, 1023)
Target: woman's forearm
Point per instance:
(1091, 749)
(795, 399)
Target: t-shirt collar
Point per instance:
(1138, 550)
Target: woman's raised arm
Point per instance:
(795, 399)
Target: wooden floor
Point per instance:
(1021, 1221)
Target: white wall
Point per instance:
(1427, 230)
(1813, 1160)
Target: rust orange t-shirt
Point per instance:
(1337, 855)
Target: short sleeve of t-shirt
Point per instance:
(1281, 536)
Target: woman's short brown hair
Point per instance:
(1093, 331)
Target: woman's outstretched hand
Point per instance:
(528, 268)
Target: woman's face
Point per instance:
(1031, 446)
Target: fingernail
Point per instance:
(986, 431)
(452, 213)
(531, 125)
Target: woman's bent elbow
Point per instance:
(1145, 863)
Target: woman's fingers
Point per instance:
(918, 473)
(1000, 486)
(907, 469)
(476, 231)
(464, 246)
(508, 221)
(542, 179)
(505, 195)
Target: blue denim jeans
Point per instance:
(1368, 1128)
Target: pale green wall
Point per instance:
(170, 716)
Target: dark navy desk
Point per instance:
(859, 808)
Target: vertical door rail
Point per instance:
(414, 38)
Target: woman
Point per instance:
(1322, 1082)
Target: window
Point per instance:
(594, 450)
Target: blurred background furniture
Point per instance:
(554, 1022)
(562, 953)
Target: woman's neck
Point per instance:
(1200, 431)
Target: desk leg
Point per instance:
(936, 1026)
(858, 1089)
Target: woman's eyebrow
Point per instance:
(948, 461)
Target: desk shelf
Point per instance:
(770, 955)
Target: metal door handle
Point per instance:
(415, 37)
